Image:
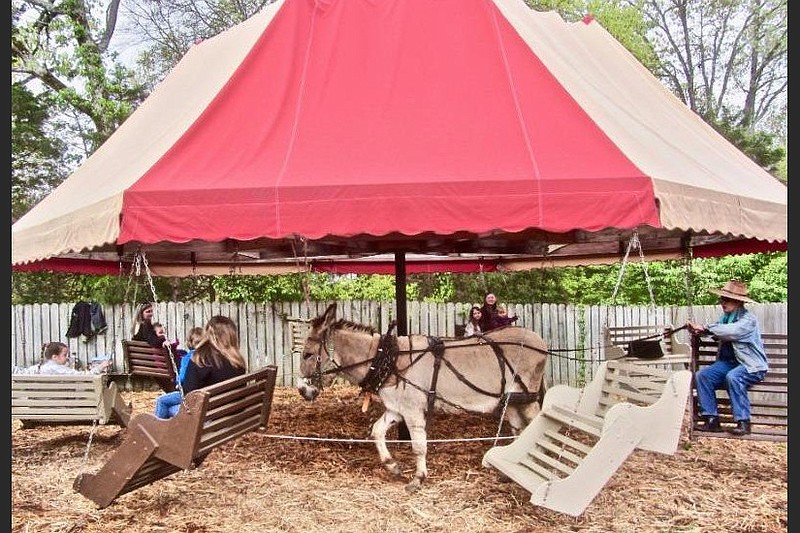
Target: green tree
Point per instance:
(37, 156)
(60, 50)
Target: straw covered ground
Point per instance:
(273, 481)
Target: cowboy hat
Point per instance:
(734, 290)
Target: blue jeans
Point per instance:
(168, 405)
(736, 380)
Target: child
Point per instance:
(167, 405)
(502, 318)
(55, 361)
(473, 325)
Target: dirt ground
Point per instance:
(279, 481)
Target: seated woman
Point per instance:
(144, 329)
(215, 359)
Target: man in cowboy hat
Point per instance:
(740, 363)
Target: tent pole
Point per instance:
(400, 292)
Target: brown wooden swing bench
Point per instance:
(154, 448)
(768, 399)
(143, 360)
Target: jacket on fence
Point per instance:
(87, 319)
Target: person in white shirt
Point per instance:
(56, 362)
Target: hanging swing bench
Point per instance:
(644, 343)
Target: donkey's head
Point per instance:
(316, 355)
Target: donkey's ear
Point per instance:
(330, 314)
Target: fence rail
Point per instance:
(573, 333)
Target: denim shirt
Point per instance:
(745, 337)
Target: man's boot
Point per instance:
(742, 428)
(708, 423)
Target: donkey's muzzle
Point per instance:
(306, 390)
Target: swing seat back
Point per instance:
(154, 448)
(145, 361)
(634, 342)
(38, 399)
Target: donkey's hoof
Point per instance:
(413, 486)
(394, 469)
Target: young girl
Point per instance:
(167, 405)
(55, 357)
(473, 325)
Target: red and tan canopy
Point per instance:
(344, 128)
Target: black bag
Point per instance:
(645, 349)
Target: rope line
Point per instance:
(368, 441)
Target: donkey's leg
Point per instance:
(379, 429)
(419, 447)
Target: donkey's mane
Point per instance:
(346, 324)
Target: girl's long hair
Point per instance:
(220, 340)
(138, 318)
(472, 318)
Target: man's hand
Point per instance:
(694, 328)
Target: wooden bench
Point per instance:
(146, 361)
(768, 399)
(582, 436)
(617, 339)
(73, 399)
(154, 448)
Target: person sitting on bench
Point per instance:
(167, 404)
(55, 361)
(217, 358)
(741, 361)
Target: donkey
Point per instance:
(499, 372)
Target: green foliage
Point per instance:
(760, 146)
(37, 163)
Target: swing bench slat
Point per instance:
(145, 361)
(154, 448)
(71, 399)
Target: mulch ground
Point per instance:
(276, 481)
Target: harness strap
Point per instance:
(436, 346)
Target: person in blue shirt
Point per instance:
(741, 361)
(167, 405)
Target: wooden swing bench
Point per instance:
(38, 399)
(154, 448)
(146, 361)
(768, 399)
(581, 437)
(617, 339)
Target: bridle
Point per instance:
(326, 346)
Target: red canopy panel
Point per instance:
(341, 121)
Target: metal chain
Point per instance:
(89, 444)
(634, 244)
(149, 276)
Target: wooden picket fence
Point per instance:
(573, 332)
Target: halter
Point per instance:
(316, 378)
